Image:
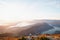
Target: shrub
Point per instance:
(23, 38)
(44, 38)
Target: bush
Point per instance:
(23, 38)
(44, 38)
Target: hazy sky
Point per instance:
(29, 9)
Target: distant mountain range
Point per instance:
(39, 27)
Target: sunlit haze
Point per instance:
(16, 10)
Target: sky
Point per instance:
(16, 10)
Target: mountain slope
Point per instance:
(36, 28)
